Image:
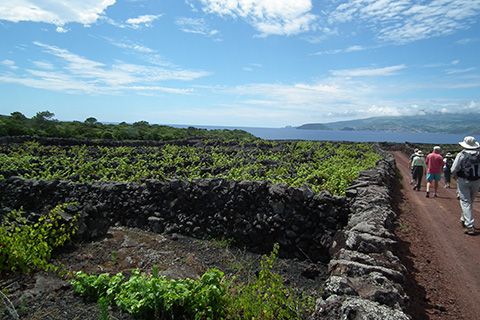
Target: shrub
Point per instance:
(153, 297)
(267, 297)
(26, 246)
(210, 297)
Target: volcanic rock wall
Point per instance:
(354, 234)
(366, 277)
(252, 214)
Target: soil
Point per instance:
(442, 261)
(47, 296)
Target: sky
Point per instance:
(254, 63)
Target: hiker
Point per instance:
(418, 167)
(434, 162)
(466, 168)
(447, 165)
(410, 164)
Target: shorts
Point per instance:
(434, 176)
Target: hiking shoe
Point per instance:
(470, 231)
(435, 195)
(427, 195)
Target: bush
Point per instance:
(210, 297)
(153, 297)
(26, 246)
(267, 297)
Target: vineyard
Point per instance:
(316, 165)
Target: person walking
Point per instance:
(434, 162)
(466, 168)
(410, 163)
(418, 166)
(447, 165)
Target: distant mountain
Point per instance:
(438, 122)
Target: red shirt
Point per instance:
(434, 163)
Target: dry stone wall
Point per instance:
(366, 277)
(252, 214)
(353, 234)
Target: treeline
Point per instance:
(44, 124)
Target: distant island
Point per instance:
(435, 123)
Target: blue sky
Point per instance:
(267, 63)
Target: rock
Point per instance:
(338, 285)
(367, 243)
(356, 269)
(156, 224)
(277, 190)
(46, 283)
(348, 307)
(311, 272)
(278, 207)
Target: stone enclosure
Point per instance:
(353, 234)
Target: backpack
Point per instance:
(448, 162)
(470, 168)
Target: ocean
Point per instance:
(337, 135)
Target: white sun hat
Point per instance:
(469, 143)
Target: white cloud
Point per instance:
(466, 41)
(252, 67)
(131, 46)
(197, 26)
(329, 99)
(9, 63)
(60, 29)
(353, 48)
(74, 73)
(368, 72)
(402, 21)
(43, 65)
(269, 17)
(457, 71)
(58, 13)
(142, 21)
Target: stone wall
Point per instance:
(253, 214)
(366, 277)
(354, 234)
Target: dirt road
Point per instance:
(444, 262)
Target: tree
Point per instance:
(18, 115)
(91, 120)
(141, 124)
(44, 116)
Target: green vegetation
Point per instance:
(210, 297)
(43, 124)
(27, 246)
(318, 165)
(267, 297)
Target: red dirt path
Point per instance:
(443, 262)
